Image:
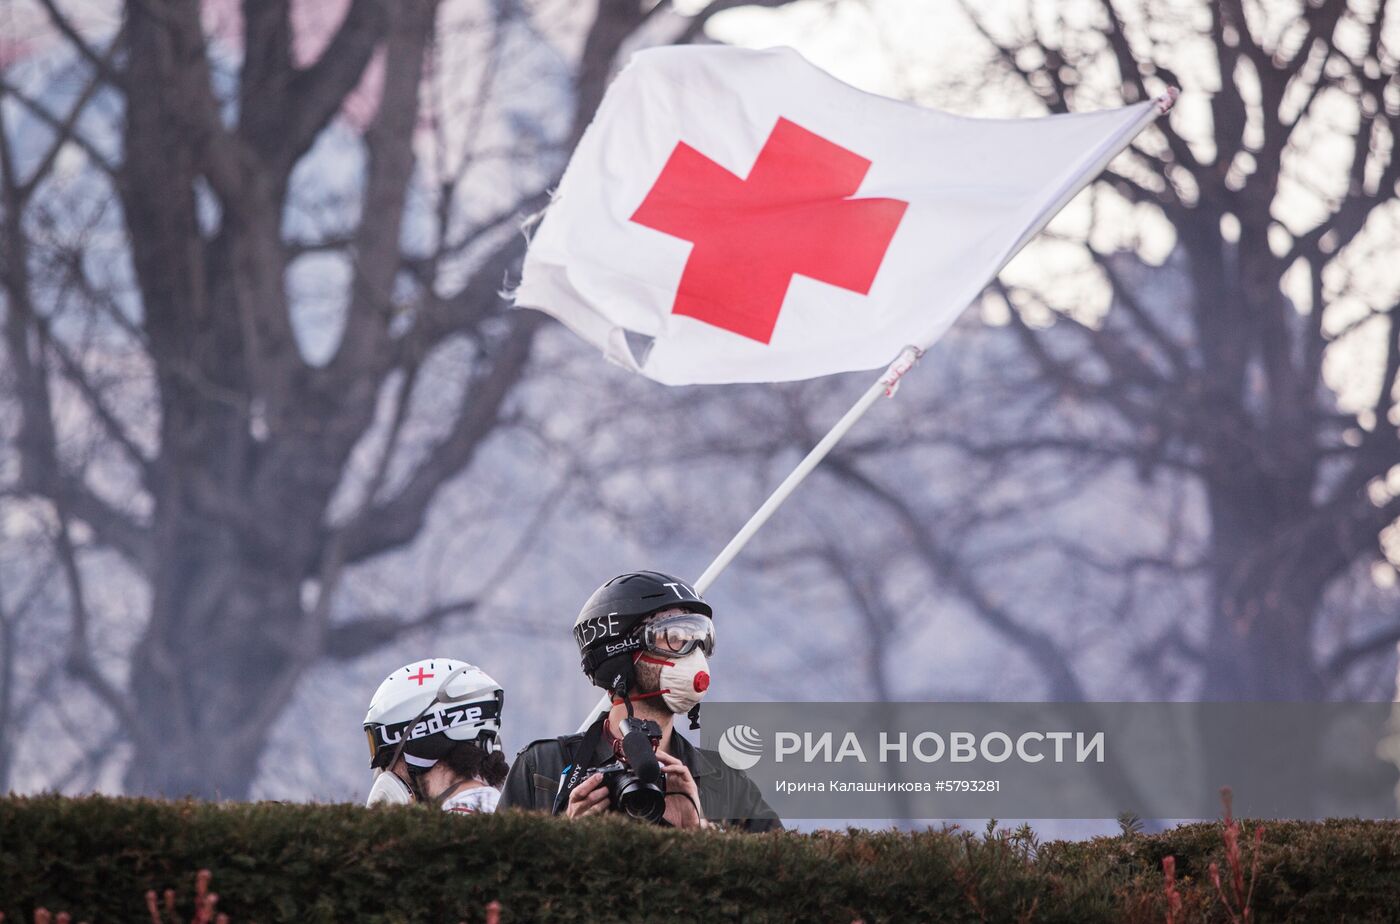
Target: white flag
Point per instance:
(762, 221)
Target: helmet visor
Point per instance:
(680, 634)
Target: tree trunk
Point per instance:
(1259, 645)
(197, 732)
(252, 443)
(223, 649)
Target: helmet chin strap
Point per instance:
(620, 692)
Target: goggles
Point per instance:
(679, 635)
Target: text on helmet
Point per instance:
(594, 628)
(450, 717)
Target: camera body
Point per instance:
(636, 783)
(632, 796)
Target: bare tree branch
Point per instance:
(1380, 641)
(59, 126)
(63, 133)
(695, 25)
(80, 661)
(41, 470)
(1037, 646)
(390, 143)
(398, 518)
(101, 64)
(1051, 90)
(284, 109)
(112, 427)
(372, 631)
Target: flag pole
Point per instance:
(885, 385)
(888, 382)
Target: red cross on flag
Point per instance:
(750, 218)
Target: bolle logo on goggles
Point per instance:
(450, 717)
(630, 644)
(741, 746)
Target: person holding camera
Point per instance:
(434, 730)
(644, 637)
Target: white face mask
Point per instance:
(476, 799)
(684, 680)
(388, 789)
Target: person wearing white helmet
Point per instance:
(434, 730)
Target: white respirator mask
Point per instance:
(683, 680)
(388, 789)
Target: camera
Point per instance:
(636, 784)
(631, 795)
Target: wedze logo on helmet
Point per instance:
(439, 721)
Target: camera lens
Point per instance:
(637, 799)
(643, 802)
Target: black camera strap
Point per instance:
(577, 764)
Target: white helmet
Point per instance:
(422, 710)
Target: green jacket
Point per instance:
(727, 796)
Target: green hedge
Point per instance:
(96, 858)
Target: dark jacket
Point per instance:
(727, 796)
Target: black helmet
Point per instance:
(604, 628)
